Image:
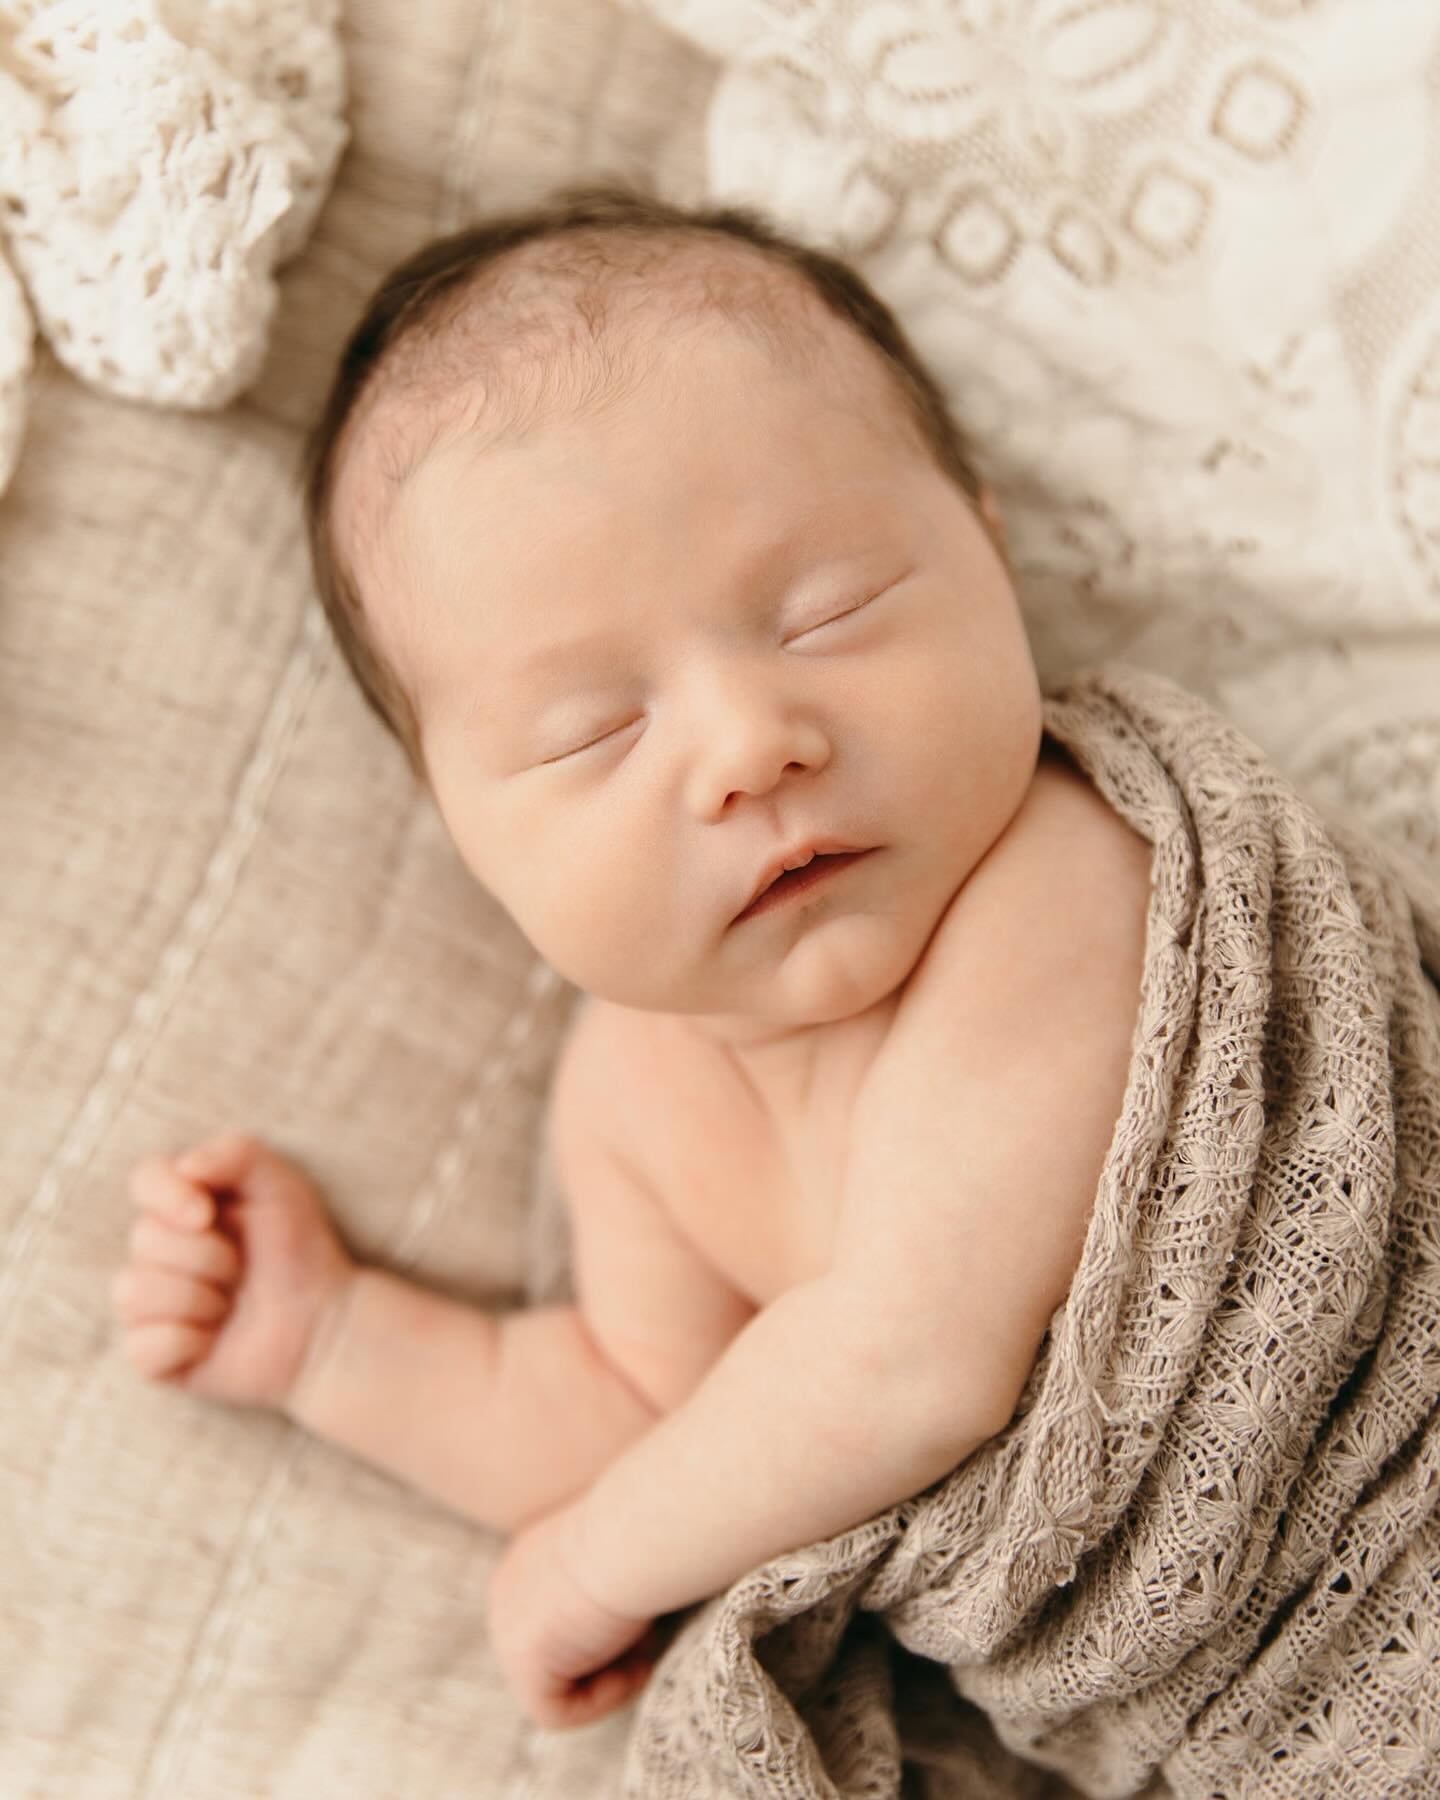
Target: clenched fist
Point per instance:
(235, 1272)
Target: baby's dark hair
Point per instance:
(593, 239)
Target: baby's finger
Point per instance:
(208, 1254)
(156, 1187)
(147, 1294)
(167, 1348)
(590, 1700)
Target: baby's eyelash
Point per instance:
(835, 618)
(592, 742)
(859, 606)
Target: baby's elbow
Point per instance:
(944, 1402)
(959, 1413)
(977, 1373)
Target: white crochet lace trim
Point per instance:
(158, 159)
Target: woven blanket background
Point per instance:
(1207, 1548)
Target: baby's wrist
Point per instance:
(301, 1403)
(575, 1561)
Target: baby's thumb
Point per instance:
(222, 1162)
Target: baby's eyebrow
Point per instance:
(594, 648)
(588, 648)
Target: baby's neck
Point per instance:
(791, 1070)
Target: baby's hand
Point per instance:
(234, 1270)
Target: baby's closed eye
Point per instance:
(592, 740)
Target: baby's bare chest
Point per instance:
(755, 1178)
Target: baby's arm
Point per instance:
(501, 1416)
(816, 1415)
(824, 1410)
(237, 1288)
(819, 1414)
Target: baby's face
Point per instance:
(653, 649)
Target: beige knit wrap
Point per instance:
(1204, 1556)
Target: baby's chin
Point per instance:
(827, 992)
(832, 970)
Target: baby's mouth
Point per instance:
(793, 882)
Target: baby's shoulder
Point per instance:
(1065, 812)
(1067, 864)
(1049, 928)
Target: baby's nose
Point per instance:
(750, 751)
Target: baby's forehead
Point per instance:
(499, 359)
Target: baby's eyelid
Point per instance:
(591, 744)
(845, 613)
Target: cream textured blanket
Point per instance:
(1204, 1556)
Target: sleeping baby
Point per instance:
(650, 538)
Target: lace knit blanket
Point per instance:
(158, 160)
(1204, 1556)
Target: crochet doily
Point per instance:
(158, 160)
